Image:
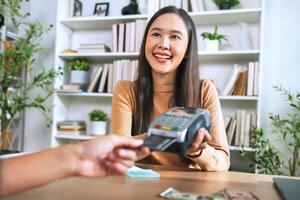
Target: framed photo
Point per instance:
(101, 9)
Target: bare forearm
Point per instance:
(32, 170)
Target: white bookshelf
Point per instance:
(84, 94)
(213, 65)
(94, 22)
(226, 16)
(228, 55)
(100, 56)
(246, 149)
(242, 98)
(74, 137)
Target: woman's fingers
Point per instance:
(200, 141)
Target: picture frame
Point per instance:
(101, 9)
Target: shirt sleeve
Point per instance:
(122, 108)
(215, 157)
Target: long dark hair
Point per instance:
(187, 84)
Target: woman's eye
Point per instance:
(175, 37)
(156, 34)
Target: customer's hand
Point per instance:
(199, 143)
(108, 155)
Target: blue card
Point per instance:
(136, 172)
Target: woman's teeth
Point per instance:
(162, 56)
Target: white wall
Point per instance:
(281, 58)
(36, 134)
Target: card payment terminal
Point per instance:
(175, 130)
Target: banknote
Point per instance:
(233, 194)
(225, 194)
(171, 193)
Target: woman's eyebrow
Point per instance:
(171, 31)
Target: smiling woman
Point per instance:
(166, 45)
(168, 76)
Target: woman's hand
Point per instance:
(200, 143)
(108, 155)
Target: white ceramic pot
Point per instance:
(212, 45)
(97, 128)
(79, 77)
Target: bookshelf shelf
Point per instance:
(84, 94)
(229, 55)
(99, 56)
(96, 22)
(75, 137)
(203, 55)
(242, 98)
(226, 16)
(238, 148)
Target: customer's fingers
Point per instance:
(118, 167)
(119, 141)
(126, 154)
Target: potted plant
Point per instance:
(213, 40)
(79, 71)
(226, 4)
(98, 122)
(270, 159)
(18, 60)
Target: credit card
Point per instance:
(158, 143)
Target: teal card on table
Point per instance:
(136, 172)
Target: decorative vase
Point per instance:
(212, 45)
(97, 128)
(130, 9)
(79, 77)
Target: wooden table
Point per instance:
(123, 187)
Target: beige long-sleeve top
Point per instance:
(215, 157)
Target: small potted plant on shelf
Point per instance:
(213, 40)
(226, 4)
(98, 122)
(79, 71)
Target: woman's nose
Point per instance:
(164, 43)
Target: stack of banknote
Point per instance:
(225, 194)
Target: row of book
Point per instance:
(69, 127)
(187, 5)
(93, 48)
(127, 37)
(239, 129)
(104, 78)
(242, 82)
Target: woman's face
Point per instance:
(166, 43)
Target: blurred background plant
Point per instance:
(19, 72)
(270, 160)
